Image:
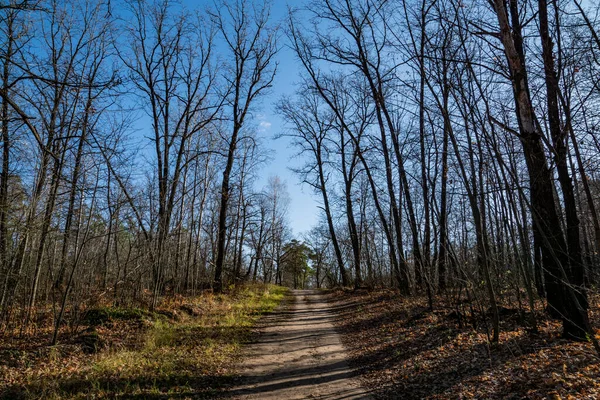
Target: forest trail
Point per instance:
(298, 355)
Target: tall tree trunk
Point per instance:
(332, 233)
(348, 176)
(561, 297)
(46, 221)
(575, 269)
(5, 270)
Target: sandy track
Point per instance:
(298, 356)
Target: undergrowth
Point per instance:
(188, 347)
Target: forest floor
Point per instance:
(403, 351)
(188, 348)
(317, 344)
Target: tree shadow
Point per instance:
(143, 387)
(290, 378)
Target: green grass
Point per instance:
(191, 355)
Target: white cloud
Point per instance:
(265, 125)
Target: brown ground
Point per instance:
(298, 355)
(399, 349)
(403, 351)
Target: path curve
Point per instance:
(298, 355)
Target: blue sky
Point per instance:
(303, 210)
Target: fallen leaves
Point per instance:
(401, 350)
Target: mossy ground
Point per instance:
(188, 348)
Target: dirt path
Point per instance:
(298, 356)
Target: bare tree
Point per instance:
(311, 130)
(171, 65)
(251, 69)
